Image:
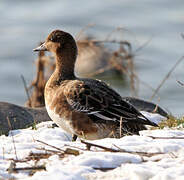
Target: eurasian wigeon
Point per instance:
(86, 108)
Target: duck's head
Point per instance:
(58, 42)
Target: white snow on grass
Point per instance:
(161, 159)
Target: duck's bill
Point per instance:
(41, 48)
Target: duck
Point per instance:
(85, 108)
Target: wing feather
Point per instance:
(97, 99)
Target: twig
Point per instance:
(155, 109)
(138, 152)
(173, 155)
(144, 45)
(120, 130)
(14, 169)
(104, 169)
(26, 89)
(99, 146)
(82, 149)
(50, 145)
(84, 29)
(132, 76)
(118, 29)
(120, 150)
(48, 150)
(179, 82)
(67, 151)
(10, 127)
(166, 77)
(165, 137)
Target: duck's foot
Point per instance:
(74, 137)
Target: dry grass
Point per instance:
(171, 122)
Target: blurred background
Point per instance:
(154, 25)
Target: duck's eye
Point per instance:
(55, 38)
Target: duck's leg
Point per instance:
(74, 137)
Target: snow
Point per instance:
(165, 163)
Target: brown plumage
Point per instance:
(87, 108)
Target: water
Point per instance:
(24, 23)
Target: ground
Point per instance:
(47, 152)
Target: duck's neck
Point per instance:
(65, 62)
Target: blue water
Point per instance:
(24, 23)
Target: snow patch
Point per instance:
(166, 162)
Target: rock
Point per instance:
(20, 117)
(147, 106)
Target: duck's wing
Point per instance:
(100, 102)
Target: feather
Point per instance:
(95, 98)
